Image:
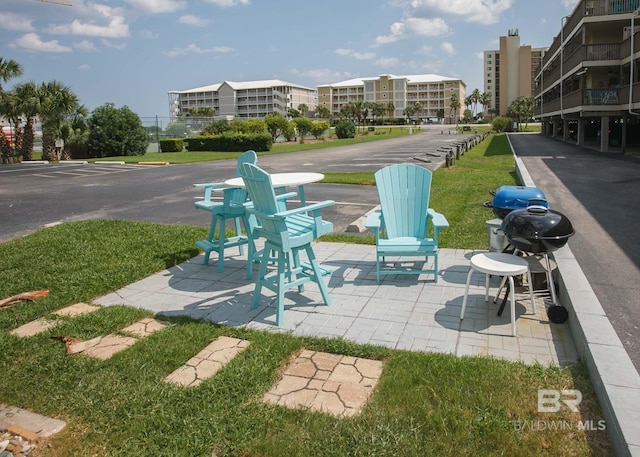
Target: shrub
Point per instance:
(500, 123)
(171, 145)
(318, 128)
(230, 142)
(116, 132)
(345, 129)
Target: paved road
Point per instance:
(599, 193)
(33, 196)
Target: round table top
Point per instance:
(499, 263)
(283, 179)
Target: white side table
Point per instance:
(499, 264)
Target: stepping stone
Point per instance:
(104, 347)
(207, 362)
(145, 327)
(41, 324)
(330, 383)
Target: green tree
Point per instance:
(277, 125)
(522, 108)
(175, 130)
(303, 126)
(454, 105)
(216, 127)
(485, 100)
(345, 128)
(390, 109)
(116, 132)
(411, 110)
(303, 108)
(9, 69)
(440, 114)
(318, 128)
(57, 101)
(323, 112)
(378, 110)
(475, 99)
(500, 123)
(26, 95)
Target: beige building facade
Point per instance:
(509, 72)
(432, 92)
(244, 100)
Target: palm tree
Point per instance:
(454, 105)
(303, 108)
(9, 69)
(485, 100)
(390, 109)
(56, 102)
(28, 105)
(475, 98)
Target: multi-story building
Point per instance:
(253, 99)
(509, 72)
(588, 85)
(432, 92)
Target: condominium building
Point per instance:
(432, 92)
(252, 99)
(509, 72)
(588, 86)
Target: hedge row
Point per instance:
(230, 142)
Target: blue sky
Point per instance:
(132, 52)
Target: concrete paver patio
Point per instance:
(401, 312)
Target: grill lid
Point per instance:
(537, 228)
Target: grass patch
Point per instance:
(425, 404)
(457, 192)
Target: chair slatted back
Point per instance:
(404, 198)
(235, 197)
(263, 197)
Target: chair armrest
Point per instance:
(208, 187)
(374, 222)
(305, 209)
(437, 219)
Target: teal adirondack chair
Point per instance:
(230, 208)
(401, 227)
(285, 236)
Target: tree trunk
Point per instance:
(27, 141)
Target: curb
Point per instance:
(153, 163)
(615, 380)
(358, 226)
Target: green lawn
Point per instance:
(426, 404)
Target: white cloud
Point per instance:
(482, 11)
(387, 62)
(448, 48)
(114, 27)
(196, 21)
(322, 75)
(195, 49)
(32, 42)
(10, 21)
(355, 54)
(83, 67)
(228, 3)
(109, 44)
(85, 45)
(158, 6)
(570, 4)
(149, 34)
(413, 26)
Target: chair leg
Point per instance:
(435, 267)
(251, 246)
(261, 274)
(281, 287)
(210, 236)
(236, 221)
(466, 293)
(533, 302)
(317, 272)
(513, 306)
(222, 237)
